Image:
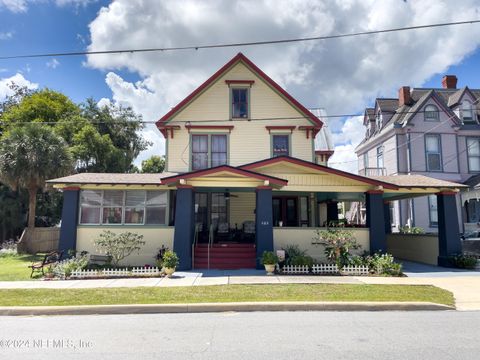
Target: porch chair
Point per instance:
(248, 230)
(223, 231)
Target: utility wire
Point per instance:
(239, 44)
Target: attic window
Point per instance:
(468, 113)
(239, 103)
(431, 113)
(378, 120)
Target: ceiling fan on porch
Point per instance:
(228, 195)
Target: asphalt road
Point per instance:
(261, 335)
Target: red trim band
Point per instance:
(374, 192)
(447, 192)
(71, 188)
(263, 188)
(180, 186)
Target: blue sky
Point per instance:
(342, 76)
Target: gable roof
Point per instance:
(224, 169)
(236, 59)
(325, 169)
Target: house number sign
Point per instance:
(264, 222)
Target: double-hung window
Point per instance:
(380, 157)
(431, 113)
(473, 153)
(433, 152)
(432, 210)
(280, 145)
(239, 103)
(468, 113)
(209, 150)
(112, 207)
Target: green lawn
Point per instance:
(16, 267)
(225, 293)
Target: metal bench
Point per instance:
(49, 259)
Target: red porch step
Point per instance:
(225, 256)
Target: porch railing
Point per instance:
(373, 171)
(210, 242)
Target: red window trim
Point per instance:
(270, 128)
(165, 128)
(210, 127)
(313, 129)
(249, 82)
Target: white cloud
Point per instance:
(53, 64)
(344, 158)
(341, 75)
(15, 6)
(6, 35)
(17, 79)
(74, 2)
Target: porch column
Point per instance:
(263, 222)
(448, 229)
(376, 220)
(332, 211)
(184, 226)
(68, 230)
(386, 216)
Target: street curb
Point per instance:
(219, 307)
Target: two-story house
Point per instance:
(434, 132)
(243, 176)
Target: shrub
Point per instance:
(119, 247)
(292, 251)
(338, 244)
(269, 258)
(8, 249)
(383, 264)
(67, 267)
(170, 259)
(302, 260)
(463, 261)
(411, 230)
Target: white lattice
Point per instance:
(146, 271)
(355, 270)
(296, 269)
(325, 269)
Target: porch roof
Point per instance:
(224, 175)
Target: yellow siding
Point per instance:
(249, 141)
(154, 237)
(242, 208)
(282, 237)
(422, 248)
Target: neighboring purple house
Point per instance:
(427, 131)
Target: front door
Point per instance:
(285, 211)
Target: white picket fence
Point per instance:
(296, 269)
(355, 270)
(325, 269)
(123, 272)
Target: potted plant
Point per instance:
(159, 257)
(269, 260)
(170, 262)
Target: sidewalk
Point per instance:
(464, 285)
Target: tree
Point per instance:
(29, 155)
(119, 246)
(154, 164)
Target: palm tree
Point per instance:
(29, 155)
